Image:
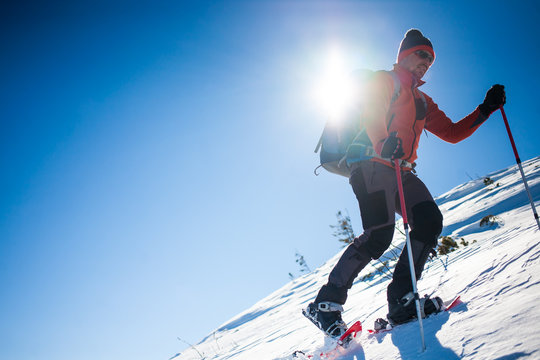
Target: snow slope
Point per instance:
(497, 276)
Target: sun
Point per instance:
(334, 90)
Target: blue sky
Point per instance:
(157, 159)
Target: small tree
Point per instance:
(343, 231)
(304, 267)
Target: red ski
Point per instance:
(450, 306)
(454, 303)
(342, 344)
(350, 334)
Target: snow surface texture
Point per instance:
(497, 276)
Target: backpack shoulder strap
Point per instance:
(397, 86)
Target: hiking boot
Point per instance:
(327, 317)
(404, 309)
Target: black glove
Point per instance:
(495, 98)
(391, 147)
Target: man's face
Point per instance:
(417, 63)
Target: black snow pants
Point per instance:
(375, 187)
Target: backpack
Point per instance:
(345, 141)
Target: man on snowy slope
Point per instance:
(393, 128)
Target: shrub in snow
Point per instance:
(447, 245)
(489, 220)
(489, 181)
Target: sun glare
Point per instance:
(334, 90)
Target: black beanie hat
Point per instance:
(413, 41)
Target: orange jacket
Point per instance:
(408, 115)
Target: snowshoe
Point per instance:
(381, 325)
(404, 310)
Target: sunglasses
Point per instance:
(424, 55)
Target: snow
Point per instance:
(497, 276)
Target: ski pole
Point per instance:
(518, 161)
(409, 250)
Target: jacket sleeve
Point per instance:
(377, 104)
(439, 124)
